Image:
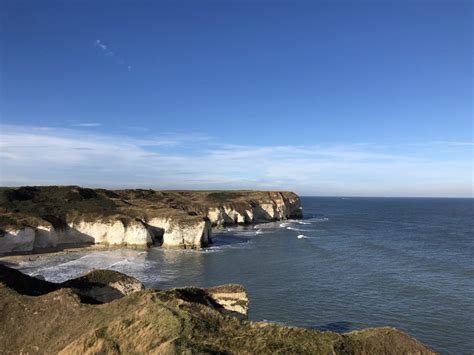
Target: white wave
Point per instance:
(235, 232)
(302, 236)
(123, 262)
(302, 222)
(220, 248)
(299, 229)
(267, 225)
(75, 262)
(58, 268)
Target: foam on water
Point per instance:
(269, 225)
(299, 229)
(302, 236)
(222, 247)
(239, 231)
(59, 269)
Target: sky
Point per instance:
(327, 98)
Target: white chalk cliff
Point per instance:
(35, 218)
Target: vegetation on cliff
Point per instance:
(43, 217)
(41, 317)
(58, 204)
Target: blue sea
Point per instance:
(351, 263)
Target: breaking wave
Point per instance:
(298, 229)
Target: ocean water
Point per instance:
(351, 263)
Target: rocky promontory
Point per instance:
(105, 312)
(34, 218)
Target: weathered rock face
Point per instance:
(34, 218)
(42, 317)
(114, 232)
(104, 286)
(264, 206)
(97, 286)
(232, 298)
(192, 232)
(18, 240)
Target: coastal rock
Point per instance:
(18, 240)
(232, 298)
(185, 233)
(104, 285)
(97, 286)
(113, 232)
(263, 206)
(36, 218)
(42, 317)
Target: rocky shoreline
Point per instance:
(108, 312)
(51, 217)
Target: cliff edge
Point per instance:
(42, 317)
(42, 217)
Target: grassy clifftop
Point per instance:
(54, 319)
(58, 205)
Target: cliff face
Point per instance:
(34, 218)
(42, 317)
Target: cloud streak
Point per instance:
(42, 155)
(105, 50)
(86, 124)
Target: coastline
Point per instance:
(16, 257)
(319, 269)
(45, 217)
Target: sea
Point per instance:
(350, 263)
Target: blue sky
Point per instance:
(370, 98)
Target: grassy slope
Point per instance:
(169, 321)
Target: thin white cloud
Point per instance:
(450, 143)
(38, 155)
(105, 50)
(99, 44)
(86, 124)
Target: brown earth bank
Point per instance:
(106, 312)
(36, 218)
